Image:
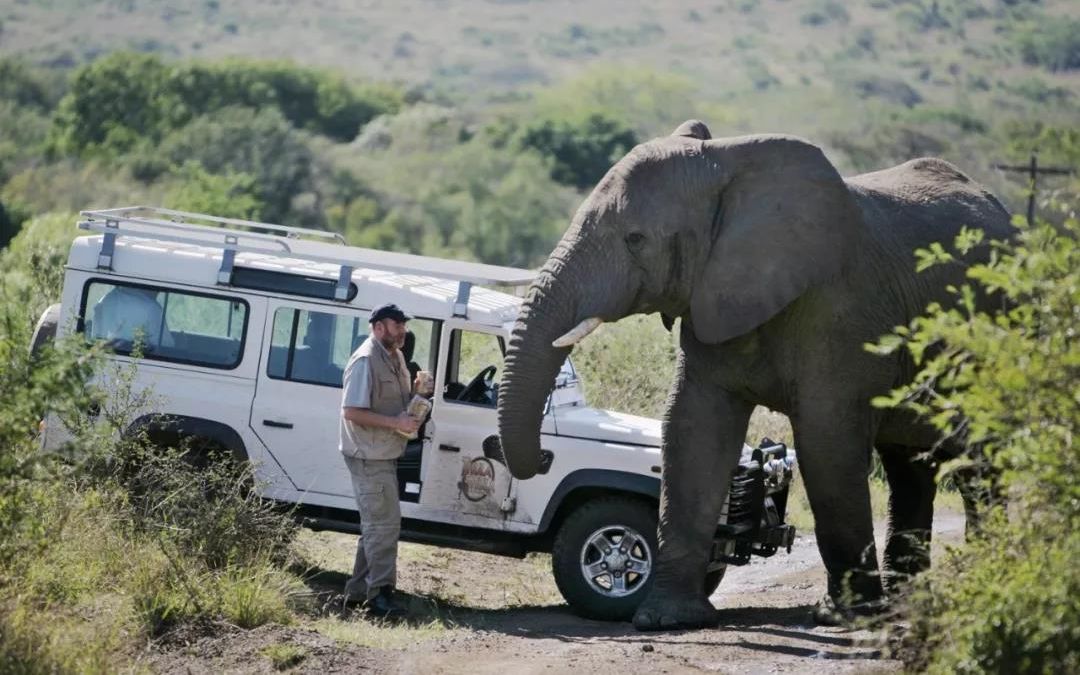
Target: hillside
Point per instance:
(874, 81)
(490, 47)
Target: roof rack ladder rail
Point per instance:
(228, 257)
(341, 292)
(108, 245)
(130, 213)
(461, 304)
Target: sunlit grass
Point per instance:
(284, 656)
(800, 515)
(380, 634)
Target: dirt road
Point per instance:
(476, 613)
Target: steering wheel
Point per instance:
(477, 385)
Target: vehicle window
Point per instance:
(166, 324)
(477, 364)
(314, 347)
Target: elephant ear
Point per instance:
(785, 222)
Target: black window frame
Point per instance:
(436, 332)
(273, 281)
(80, 324)
(453, 362)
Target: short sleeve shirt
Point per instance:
(129, 314)
(376, 380)
(356, 387)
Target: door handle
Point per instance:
(278, 425)
(449, 448)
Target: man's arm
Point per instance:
(356, 402)
(368, 418)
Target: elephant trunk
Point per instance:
(551, 309)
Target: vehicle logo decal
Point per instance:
(477, 479)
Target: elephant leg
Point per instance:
(834, 459)
(912, 488)
(703, 437)
(980, 488)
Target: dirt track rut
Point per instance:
(765, 628)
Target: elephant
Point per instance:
(780, 271)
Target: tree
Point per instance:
(261, 145)
(8, 227)
(580, 150)
(112, 103)
(493, 205)
(125, 98)
(228, 195)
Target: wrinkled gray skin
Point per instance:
(780, 270)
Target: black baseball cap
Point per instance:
(388, 311)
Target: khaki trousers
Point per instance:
(375, 486)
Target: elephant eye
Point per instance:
(635, 239)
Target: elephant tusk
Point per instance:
(578, 333)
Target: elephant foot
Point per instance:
(673, 613)
(827, 612)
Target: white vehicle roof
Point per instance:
(146, 243)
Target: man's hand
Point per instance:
(424, 384)
(405, 423)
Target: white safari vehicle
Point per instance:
(245, 328)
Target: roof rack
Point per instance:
(233, 235)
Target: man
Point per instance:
(376, 392)
(130, 315)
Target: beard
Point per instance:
(392, 343)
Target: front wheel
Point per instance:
(604, 556)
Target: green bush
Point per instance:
(1004, 604)
(580, 150)
(23, 131)
(1005, 385)
(124, 99)
(28, 86)
(228, 195)
(112, 539)
(1052, 42)
(71, 185)
(475, 199)
(258, 144)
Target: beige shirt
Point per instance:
(378, 380)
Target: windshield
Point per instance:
(567, 375)
(567, 390)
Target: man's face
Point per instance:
(390, 333)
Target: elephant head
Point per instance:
(724, 233)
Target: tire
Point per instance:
(45, 330)
(578, 543)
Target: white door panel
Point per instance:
(463, 477)
(298, 420)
